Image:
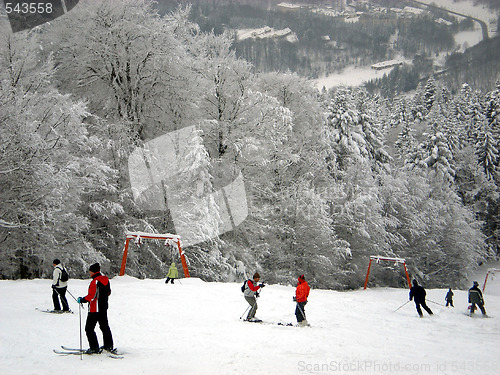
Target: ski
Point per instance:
(114, 351)
(272, 323)
(76, 351)
(49, 311)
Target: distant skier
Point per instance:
(418, 294)
(301, 294)
(59, 287)
(476, 298)
(449, 298)
(97, 297)
(251, 293)
(172, 274)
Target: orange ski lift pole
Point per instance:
(491, 271)
(378, 258)
(138, 236)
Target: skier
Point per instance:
(476, 298)
(301, 294)
(99, 291)
(59, 288)
(251, 293)
(172, 274)
(418, 293)
(449, 298)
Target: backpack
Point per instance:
(243, 287)
(64, 275)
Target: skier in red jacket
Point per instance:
(301, 294)
(97, 297)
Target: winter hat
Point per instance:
(415, 283)
(476, 283)
(95, 267)
(301, 277)
(56, 261)
(256, 275)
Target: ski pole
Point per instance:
(435, 302)
(404, 304)
(67, 290)
(80, 317)
(244, 312)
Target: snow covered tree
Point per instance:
(352, 130)
(48, 167)
(429, 93)
(127, 62)
(487, 153)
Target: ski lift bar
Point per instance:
(138, 236)
(378, 258)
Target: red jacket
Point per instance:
(302, 291)
(99, 291)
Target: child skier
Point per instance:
(172, 274)
(449, 298)
(301, 294)
(251, 293)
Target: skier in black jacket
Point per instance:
(476, 298)
(417, 293)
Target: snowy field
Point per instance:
(194, 328)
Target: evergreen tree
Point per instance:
(487, 153)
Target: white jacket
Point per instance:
(56, 277)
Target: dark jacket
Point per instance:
(418, 293)
(99, 291)
(449, 296)
(475, 295)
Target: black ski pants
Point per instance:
(102, 318)
(481, 307)
(300, 312)
(60, 293)
(423, 304)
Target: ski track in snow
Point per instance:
(194, 328)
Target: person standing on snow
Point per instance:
(476, 298)
(418, 294)
(59, 288)
(301, 294)
(172, 274)
(449, 298)
(97, 297)
(251, 293)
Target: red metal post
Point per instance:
(407, 276)
(368, 273)
(124, 259)
(485, 280)
(183, 259)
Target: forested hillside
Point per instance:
(330, 178)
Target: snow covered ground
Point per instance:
(194, 328)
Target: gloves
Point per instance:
(294, 299)
(262, 285)
(81, 300)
